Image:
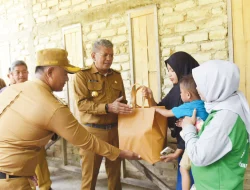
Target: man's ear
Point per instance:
(93, 55)
(50, 71)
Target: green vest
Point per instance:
(228, 172)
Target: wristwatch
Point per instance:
(107, 108)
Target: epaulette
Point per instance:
(86, 68)
(116, 71)
(60, 100)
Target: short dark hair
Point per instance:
(101, 42)
(17, 63)
(40, 69)
(189, 84)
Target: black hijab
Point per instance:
(182, 63)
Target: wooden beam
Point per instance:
(240, 53)
(64, 151)
(230, 31)
(123, 168)
(150, 175)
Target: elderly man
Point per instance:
(19, 71)
(29, 116)
(100, 97)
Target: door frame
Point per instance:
(230, 31)
(66, 30)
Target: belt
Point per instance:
(101, 126)
(4, 176)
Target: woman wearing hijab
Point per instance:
(219, 152)
(179, 64)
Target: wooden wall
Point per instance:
(241, 41)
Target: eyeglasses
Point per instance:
(17, 73)
(105, 55)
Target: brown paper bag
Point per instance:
(143, 131)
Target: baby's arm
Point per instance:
(165, 112)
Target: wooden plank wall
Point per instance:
(241, 37)
(144, 52)
(241, 40)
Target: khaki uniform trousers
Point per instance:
(42, 171)
(21, 183)
(91, 162)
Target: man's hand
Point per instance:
(189, 120)
(119, 108)
(129, 155)
(147, 92)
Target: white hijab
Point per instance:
(218, 81)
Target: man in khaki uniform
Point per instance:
(100, 97)
(29, 116)
(18, 73)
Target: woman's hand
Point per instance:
(147, 92)
(169, 157)
(172, 156)
(189, 120)
(178, 123)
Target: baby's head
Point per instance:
(188, 89)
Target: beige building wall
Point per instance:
(199, 27)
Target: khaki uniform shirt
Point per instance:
(110, 87)
(29, 114)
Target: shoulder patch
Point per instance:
(86, 68)
(116, 71)
(60, 100)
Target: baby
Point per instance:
(191, 99)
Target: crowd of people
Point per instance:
(211, 154)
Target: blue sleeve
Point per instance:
(182, 110)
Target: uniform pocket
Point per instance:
(95, 89)
(117, 90)
(94, 86)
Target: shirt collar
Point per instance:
(94, 70)
(43, 84)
